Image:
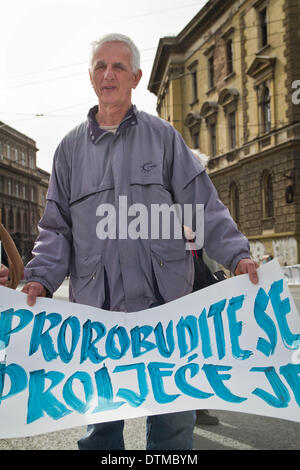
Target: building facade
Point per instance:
(23, 188)
(230, 84)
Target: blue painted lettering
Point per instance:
(17, 377)
(189, 325)
(216, 381)
(105, 392)
(215, 311)
(291, 374)
(43, 339)
(156, 375)
(134, 399)
(204, 333)
(41, 401)
(74, 324)
(235, 328)
(266, 323)
(6, 319)
(124, 342)
(69, 396)
(88, 348)
(139, 344)
(282, 397)
(281, 309)
(166, 345)
(184, 386)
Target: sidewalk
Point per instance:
(236, 431)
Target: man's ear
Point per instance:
(137, 78)
(91, 79)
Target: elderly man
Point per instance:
(122, 154)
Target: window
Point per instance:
(25, 223)
(262, 14)
(9, 186)
(265, 110)
(3, 216)
(235, 202)
(8, 151)
(209, 112)
(229, 56)
(17, 190)
(16, 155)
(211, 72)
(213, 139)
(23, 159)
(11, 224)
(32, 194)
(195, 137)
(194, 86)
(232, 130)
(18, 224)
(267, 195)
(31, 162)
(228, 99)
(194, 81)
(192, 122)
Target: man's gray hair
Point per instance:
(135, 54)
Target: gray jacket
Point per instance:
(147, 161)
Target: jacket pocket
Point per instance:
(87, 280)
(82, 197)
(173, 268)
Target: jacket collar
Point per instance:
(95, 132)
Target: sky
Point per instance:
(45, 89)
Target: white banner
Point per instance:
(232, 346)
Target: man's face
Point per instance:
(111, 74)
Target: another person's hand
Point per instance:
(4, 275)
(33, 290)
(247, 266)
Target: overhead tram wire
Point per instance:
(144, 61)
(206, 37)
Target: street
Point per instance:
(235, 431)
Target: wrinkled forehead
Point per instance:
(112, 51)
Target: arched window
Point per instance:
(267, 195)
(235, 202)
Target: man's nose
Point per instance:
(109, 73)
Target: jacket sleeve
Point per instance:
(51, 252)
(191, 185)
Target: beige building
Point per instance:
(230, 83)
(23, 188)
